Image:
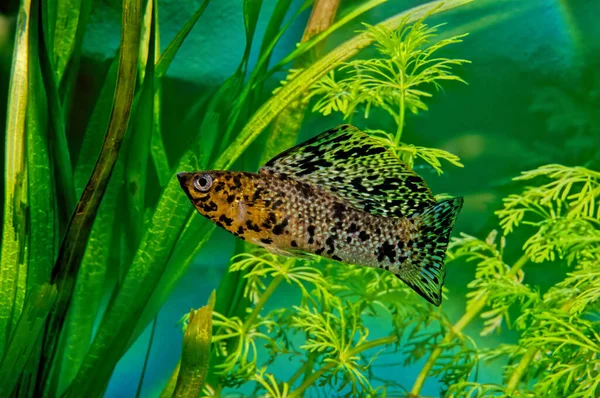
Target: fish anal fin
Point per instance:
(425, 272)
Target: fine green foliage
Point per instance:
(110, 278)
(71, 309)
(396, 82)
(557, 353)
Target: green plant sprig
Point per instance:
(396, 82)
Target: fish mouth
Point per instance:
(184, 178)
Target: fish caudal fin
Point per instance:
(425, 272)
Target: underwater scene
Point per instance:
(300, 198)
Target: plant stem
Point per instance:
(471, 313)
(263, 300)
(521, 369)
(309, 381)
(400, 118)
(78, 231)
(515, 377)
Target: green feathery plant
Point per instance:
(326, 332)
(67, 245)
(397, 82)
(558, 351)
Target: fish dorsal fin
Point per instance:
(357, 168)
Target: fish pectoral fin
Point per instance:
(357, 168)
(286, 253)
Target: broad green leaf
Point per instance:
(158, 151)
(167, 57)
(195, 235)
(27, 330)
(42, 218)
(195, 355)
(311, 75)
(136, 169)
(65, 33)
(13, 255)
(242, 105)
(90, 285)
(251, 12)
(274, 25)
(125, 310)
(157, 145)
(79, 229)
(285, 127)
(63, 167)
(96, 128)
(317, 39)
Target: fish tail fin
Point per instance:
(426, 271)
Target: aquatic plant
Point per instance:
(326, 333)
(557, 353)
(78, 288)
(64, 325)
(396, 82)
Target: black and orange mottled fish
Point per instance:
(341, 195)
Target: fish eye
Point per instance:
(203, 182)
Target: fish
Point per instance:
(342, 195)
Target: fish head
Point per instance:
(215, 194)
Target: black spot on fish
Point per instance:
(279, 228)
(329, 241)
(257, 194)
(349, 239)
(230, 198)
(266, 240)
(226, 220)
(201, 199)
(363, 236)
(211, 206)
(277, 203)
(293, 243)
(311, 230)
(319, 251)
(237, 181)
(306, 190)
(334, 257)
(378, 231)
(358, 186)
(218, 187)
(253, 227)
(352, 228)
(341, 137)
(388, 250)
(272, 217)
(338, 210)
(413, 183)
(240, 230)
(311, 166)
